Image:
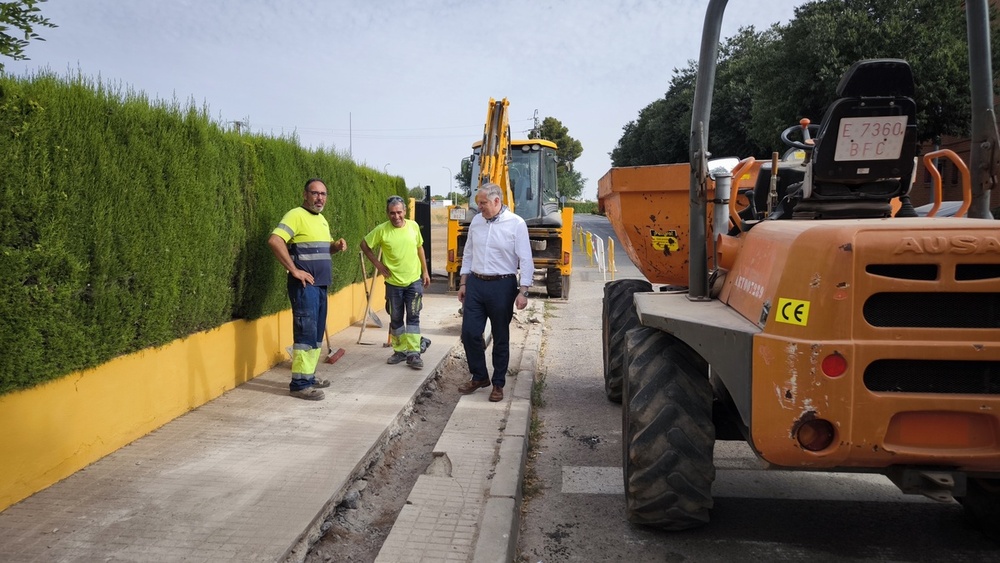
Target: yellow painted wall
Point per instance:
(49, 432)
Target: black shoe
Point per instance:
(414, 361)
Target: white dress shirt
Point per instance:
(498, 246)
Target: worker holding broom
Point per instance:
(404, 267)
(303, 245)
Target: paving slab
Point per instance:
(251, 475)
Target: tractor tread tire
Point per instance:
(667, 433)
(553, 283)
(618, 317)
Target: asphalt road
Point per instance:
(759, 515)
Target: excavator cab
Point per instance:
(533, 184)
(525, 170)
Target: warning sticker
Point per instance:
(793, 311)
(663, 241)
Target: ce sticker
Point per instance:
(793, 311)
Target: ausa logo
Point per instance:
(959, 244)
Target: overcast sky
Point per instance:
(401, 85)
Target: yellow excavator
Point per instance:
(525, 170)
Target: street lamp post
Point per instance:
(384, 171)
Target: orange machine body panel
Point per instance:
(906, 303)
(648, 208)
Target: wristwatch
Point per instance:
(525, 293)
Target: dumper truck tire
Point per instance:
(981, 504)
(618, 317)
(667, 433)
(554, 283)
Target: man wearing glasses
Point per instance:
(303, 245)
(404, 267)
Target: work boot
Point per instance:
(414, 361)
(309, 394)
(496, 395)
(425, 343)
(396, 358)
(321, 384)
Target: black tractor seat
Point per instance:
(864, 152)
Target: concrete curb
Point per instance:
(298, 551)
(501, 517)
(470, 508)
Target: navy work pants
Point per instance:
(309, 305)
(493, 300)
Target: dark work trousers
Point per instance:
(405, 302)
(493, 300)
(308, 324)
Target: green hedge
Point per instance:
(126, 223)
(583, 206)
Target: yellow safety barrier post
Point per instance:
(590, 248)
(579, 233)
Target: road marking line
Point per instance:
(752, 483)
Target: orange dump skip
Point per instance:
(648, 209)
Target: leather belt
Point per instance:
(493, 278)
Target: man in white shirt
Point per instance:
(496, 249)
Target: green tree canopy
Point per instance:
(826, 37)
(464, 176)
(662, 132)
(18, 21)
(767, 81)
(417, 193)
(570, 182)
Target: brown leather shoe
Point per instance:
(471, 385)
(496, 395)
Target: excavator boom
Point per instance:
(494, 158)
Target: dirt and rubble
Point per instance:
(362, 521)
(356, 530)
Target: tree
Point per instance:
(20, 17)
(464, 176)
(734, 99)
(767, 81)
(571, 184)
(418, 193)
(662, 133)
(569, 149)
(827, 36)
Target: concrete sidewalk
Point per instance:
(251, 475)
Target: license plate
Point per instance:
(870, 138)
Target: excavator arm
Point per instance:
(494, 157)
